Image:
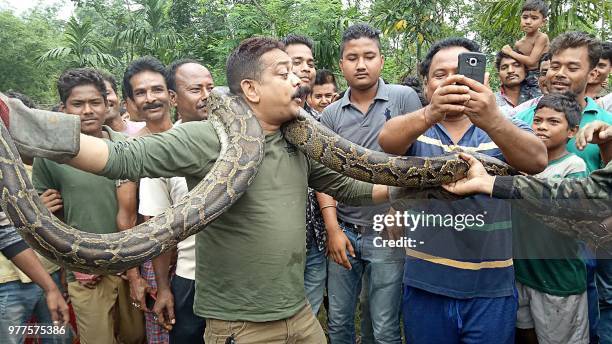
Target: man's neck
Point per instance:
(580, 99)
(592, 90)
(557, 153)
(117, 124)
(363, 98)
(457, 126)
(160, 125)
(513, 93)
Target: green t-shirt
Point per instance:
(590, 113)
(90, 201)
(558, 271)
(250, 261)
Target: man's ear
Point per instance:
(593, 76)
(62, 107)
(250, 90)
(571, 132)
(172, 98)
(340, 65)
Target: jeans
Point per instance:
(591, 266)
(436, 319)
(18, 302)
(189, 328)
(383, 268)
(315, 276)
(604, 289)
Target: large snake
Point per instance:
(242, 151)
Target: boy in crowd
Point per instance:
(324, 91)
(532, 46)
(90, 203)
(548, 271)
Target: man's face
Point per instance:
(443, 64)
(544, 66)
(193, 85)
(321, 96)
(276, 91)
(361, 63)
(511, 72)
(602, 72)
(569, 71)
(552, 128)
(113, 101)
(88, 103)
(531, 21)
(302, 61)
(151, 97)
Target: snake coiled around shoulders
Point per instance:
(242, 150)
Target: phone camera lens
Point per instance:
(473, 61)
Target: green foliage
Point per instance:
(81, 49)
(111, 33)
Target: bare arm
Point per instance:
(516, 144)
(399, 133)
(92, 156)
(540, 45)
(27, 262)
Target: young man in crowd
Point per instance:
(461, 282)
(89, 203)
(532, 46)
(113, 118)
(189, 84)
(543, 68)
(549, 273)
(598, 82)
(511, 75)
(358, 116)
(324, 91)
(574, 55)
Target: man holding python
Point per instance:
(250, 261)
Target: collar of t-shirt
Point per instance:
(382, 93)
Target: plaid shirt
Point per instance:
(315, 227)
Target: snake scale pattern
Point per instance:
(242, 151)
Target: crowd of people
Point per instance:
(302, 237)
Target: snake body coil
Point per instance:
(242, 151)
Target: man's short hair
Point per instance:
(606, 51)
(545, 57)
(565, 103)
(146, 63)
(577, 39)
(360, 31)
(325, 76)
(443, 44)
(173, 67)
(298, 39)
(536, 5)
(500, 56)
(72, 78)
(108, 77)
(244, 62)
(22, 97)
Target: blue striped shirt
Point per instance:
(455, 257)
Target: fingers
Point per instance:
(469, 159)
(471, 83)
(344, 261)
(486, 79)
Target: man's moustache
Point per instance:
(152, 106)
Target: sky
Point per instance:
(21, 6)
